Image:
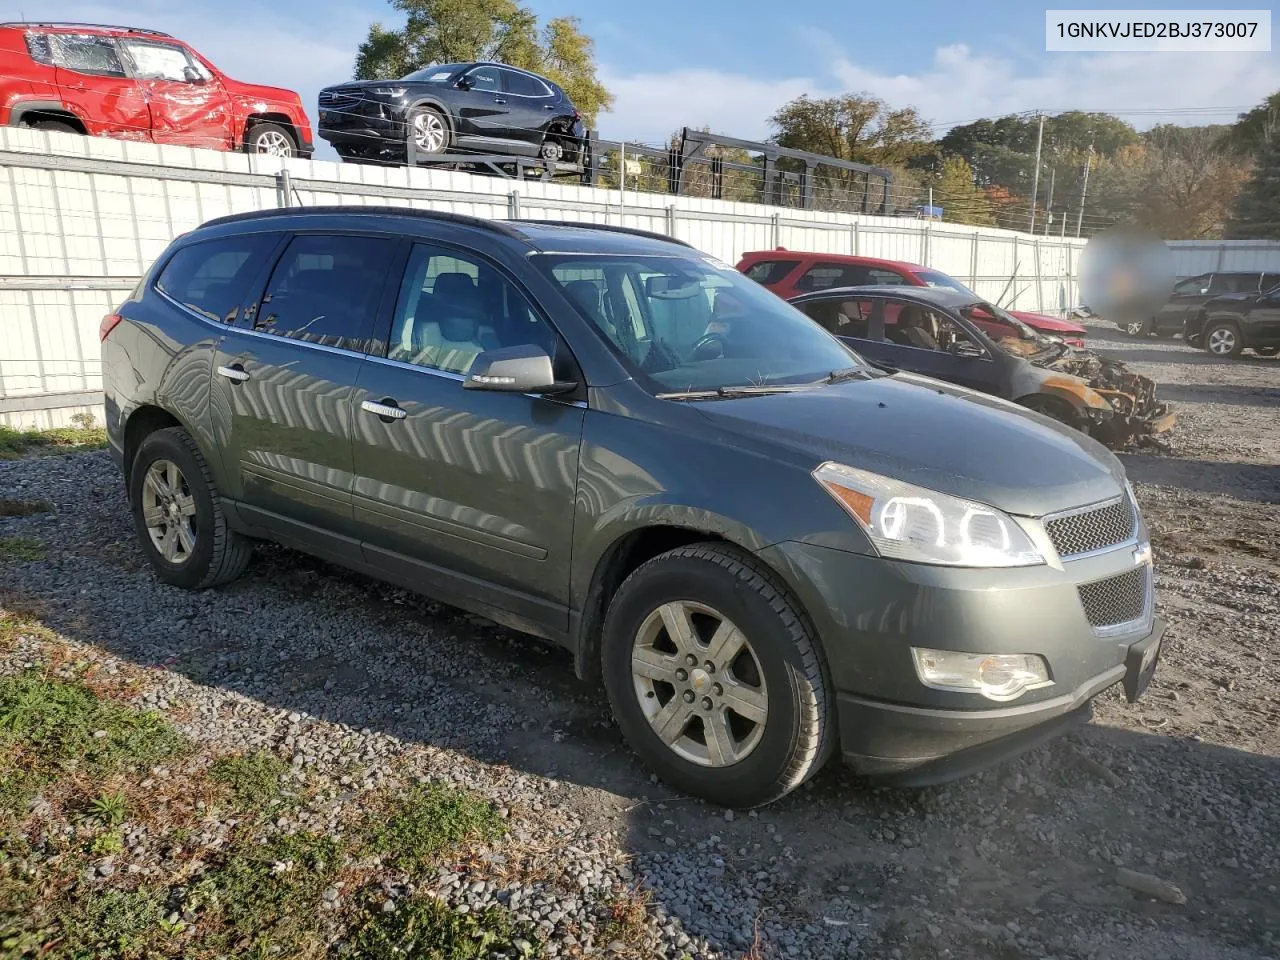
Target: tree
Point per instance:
(459, 31)
(1255, 215)
(1252, 130)
(855, 127)
(955, 192)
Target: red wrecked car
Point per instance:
(789, 273)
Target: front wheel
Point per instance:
(270, 139)
(1223, 340)
(716, 678)
(1137, 328)
(177, 514)
(429, 130)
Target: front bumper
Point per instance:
(870, 612)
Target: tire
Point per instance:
(270, 139)
(1138, 328)
(216, 554)
(434, 136)
(56, 126)
(1266, 351)
(779, 667)
(1223, 339)
(1053, 407)
(552, 149)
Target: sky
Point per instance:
(730, 65)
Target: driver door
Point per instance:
(188, 105)
(482, 106)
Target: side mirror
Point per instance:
(465, 83)
(522, 369)
(192, 75)
(963, 348)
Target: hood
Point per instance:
(936, 435)
(258, 91)
(1042, 321)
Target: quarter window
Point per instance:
(211, 278)
(88, 54)
(325, 290)
(452, 307)
(40, 48)
(523, 85)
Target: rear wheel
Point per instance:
(270, 139)
(177, 514)
(552, 150)
(1223, 340)
(1138, 328)
(715, 676)
(54, 126)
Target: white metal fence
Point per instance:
(1193, 257)
(82, 218)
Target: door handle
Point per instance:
(386, 409)
(235, 373)
(548, 106)
(498, 100)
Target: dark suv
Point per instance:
(762, 545)
(485, 108)
(1183, 311)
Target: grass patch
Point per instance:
(23, 508)
(113, 924)
(430, 820)
(21, 548)
(56, 726)
(427, 929)
(254, 778)
(85, 435)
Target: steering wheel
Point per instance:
(710, 347)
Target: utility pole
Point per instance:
(1084, 188)
(1035, 179)
(1048, 207)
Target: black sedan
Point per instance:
(964, 340)
(478, 108)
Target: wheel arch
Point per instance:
(143, 421)
(27, 112)
(279, 119)
(438, 106)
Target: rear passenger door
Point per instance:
(469, 493)
(530, 105)
(94, 85)
(283, 379)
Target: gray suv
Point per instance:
(765, 547)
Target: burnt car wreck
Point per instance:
(953, 336)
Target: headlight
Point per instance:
(389, 91)
(997, 676)
(907, 522)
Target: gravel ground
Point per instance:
(364, 685)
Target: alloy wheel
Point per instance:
(699, 683)
(1222, 341)
(1135, 328)
(169, 512)
(274, 144)
(428, 132)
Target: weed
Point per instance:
(109, 809)
(430, 820)
(628, 915)
(106, 844)
(110, 924)
(429, 930)
(23, 508)
(254, 778)
(21, 548)
(83, 436)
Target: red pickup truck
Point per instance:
(137, 84)
(789, 273)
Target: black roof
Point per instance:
(944, 297)
(559, 236)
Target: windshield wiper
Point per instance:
(722, 393)
(848, 373)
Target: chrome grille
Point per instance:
(1119, 599)
(337, 98)
(1092, 530)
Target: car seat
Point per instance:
(448, 332)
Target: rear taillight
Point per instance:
(108, 324)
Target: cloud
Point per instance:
(954, 86)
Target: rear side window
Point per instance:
(212, 278)
(523, 85)
(40, 48)
(769, 272)
(325, 290)
(88, 54)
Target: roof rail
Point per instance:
(94, 26)
(607, 226)
(497, 226)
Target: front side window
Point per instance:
(157, 61)
(212, 278)
(88, 54)
(1196, 286)
(822, 276)
(325, 289)
(485, 80)
(453, 306)
(877, 277)
(687, 324)
(770, 272)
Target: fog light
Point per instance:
(997, 676)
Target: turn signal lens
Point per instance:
(996, 676)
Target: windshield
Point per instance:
(933, 278)
(1009, 333)
(437, 74)
(691, 324)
